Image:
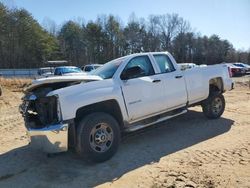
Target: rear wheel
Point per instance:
(98, 137)
(214, 105)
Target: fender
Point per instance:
(75, 97)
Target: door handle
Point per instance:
(156, 81)
(179, 76)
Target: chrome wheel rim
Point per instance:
(217, 105)
(101, 137)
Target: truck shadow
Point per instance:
(24, 167)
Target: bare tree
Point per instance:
(183, 26)
(153, 33)
(49, 25)
(169, 25)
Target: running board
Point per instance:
(140, 126)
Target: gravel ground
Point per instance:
(187, 151)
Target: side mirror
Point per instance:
(132, 72)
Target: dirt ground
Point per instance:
(187, 151)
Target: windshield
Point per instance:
(108, 69)
(97, 66)
(239, 65)
(65, 70)
(45, 71)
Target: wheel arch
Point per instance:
(216, 85)
(109, 106)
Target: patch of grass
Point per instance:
(15, 84)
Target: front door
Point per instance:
(144, 93)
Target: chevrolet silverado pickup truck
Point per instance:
(90, 112)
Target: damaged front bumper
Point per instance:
(42, 117)
(50, 139)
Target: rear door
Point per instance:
(143, 94)
(173, 81)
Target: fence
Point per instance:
(24, 73)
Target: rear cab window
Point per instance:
(57, 71)
(88, 68)
(164, 63)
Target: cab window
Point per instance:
(164, 63)
(88, 68)
(144, 63)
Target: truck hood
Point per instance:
(61, 79)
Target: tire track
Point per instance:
(168, 178)
(224, 156)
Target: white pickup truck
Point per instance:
(90, 112)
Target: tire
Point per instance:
(98, 137)
(214, 106)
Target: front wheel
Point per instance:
(98, 137)
(214, 106)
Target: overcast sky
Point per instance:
(230, 19)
